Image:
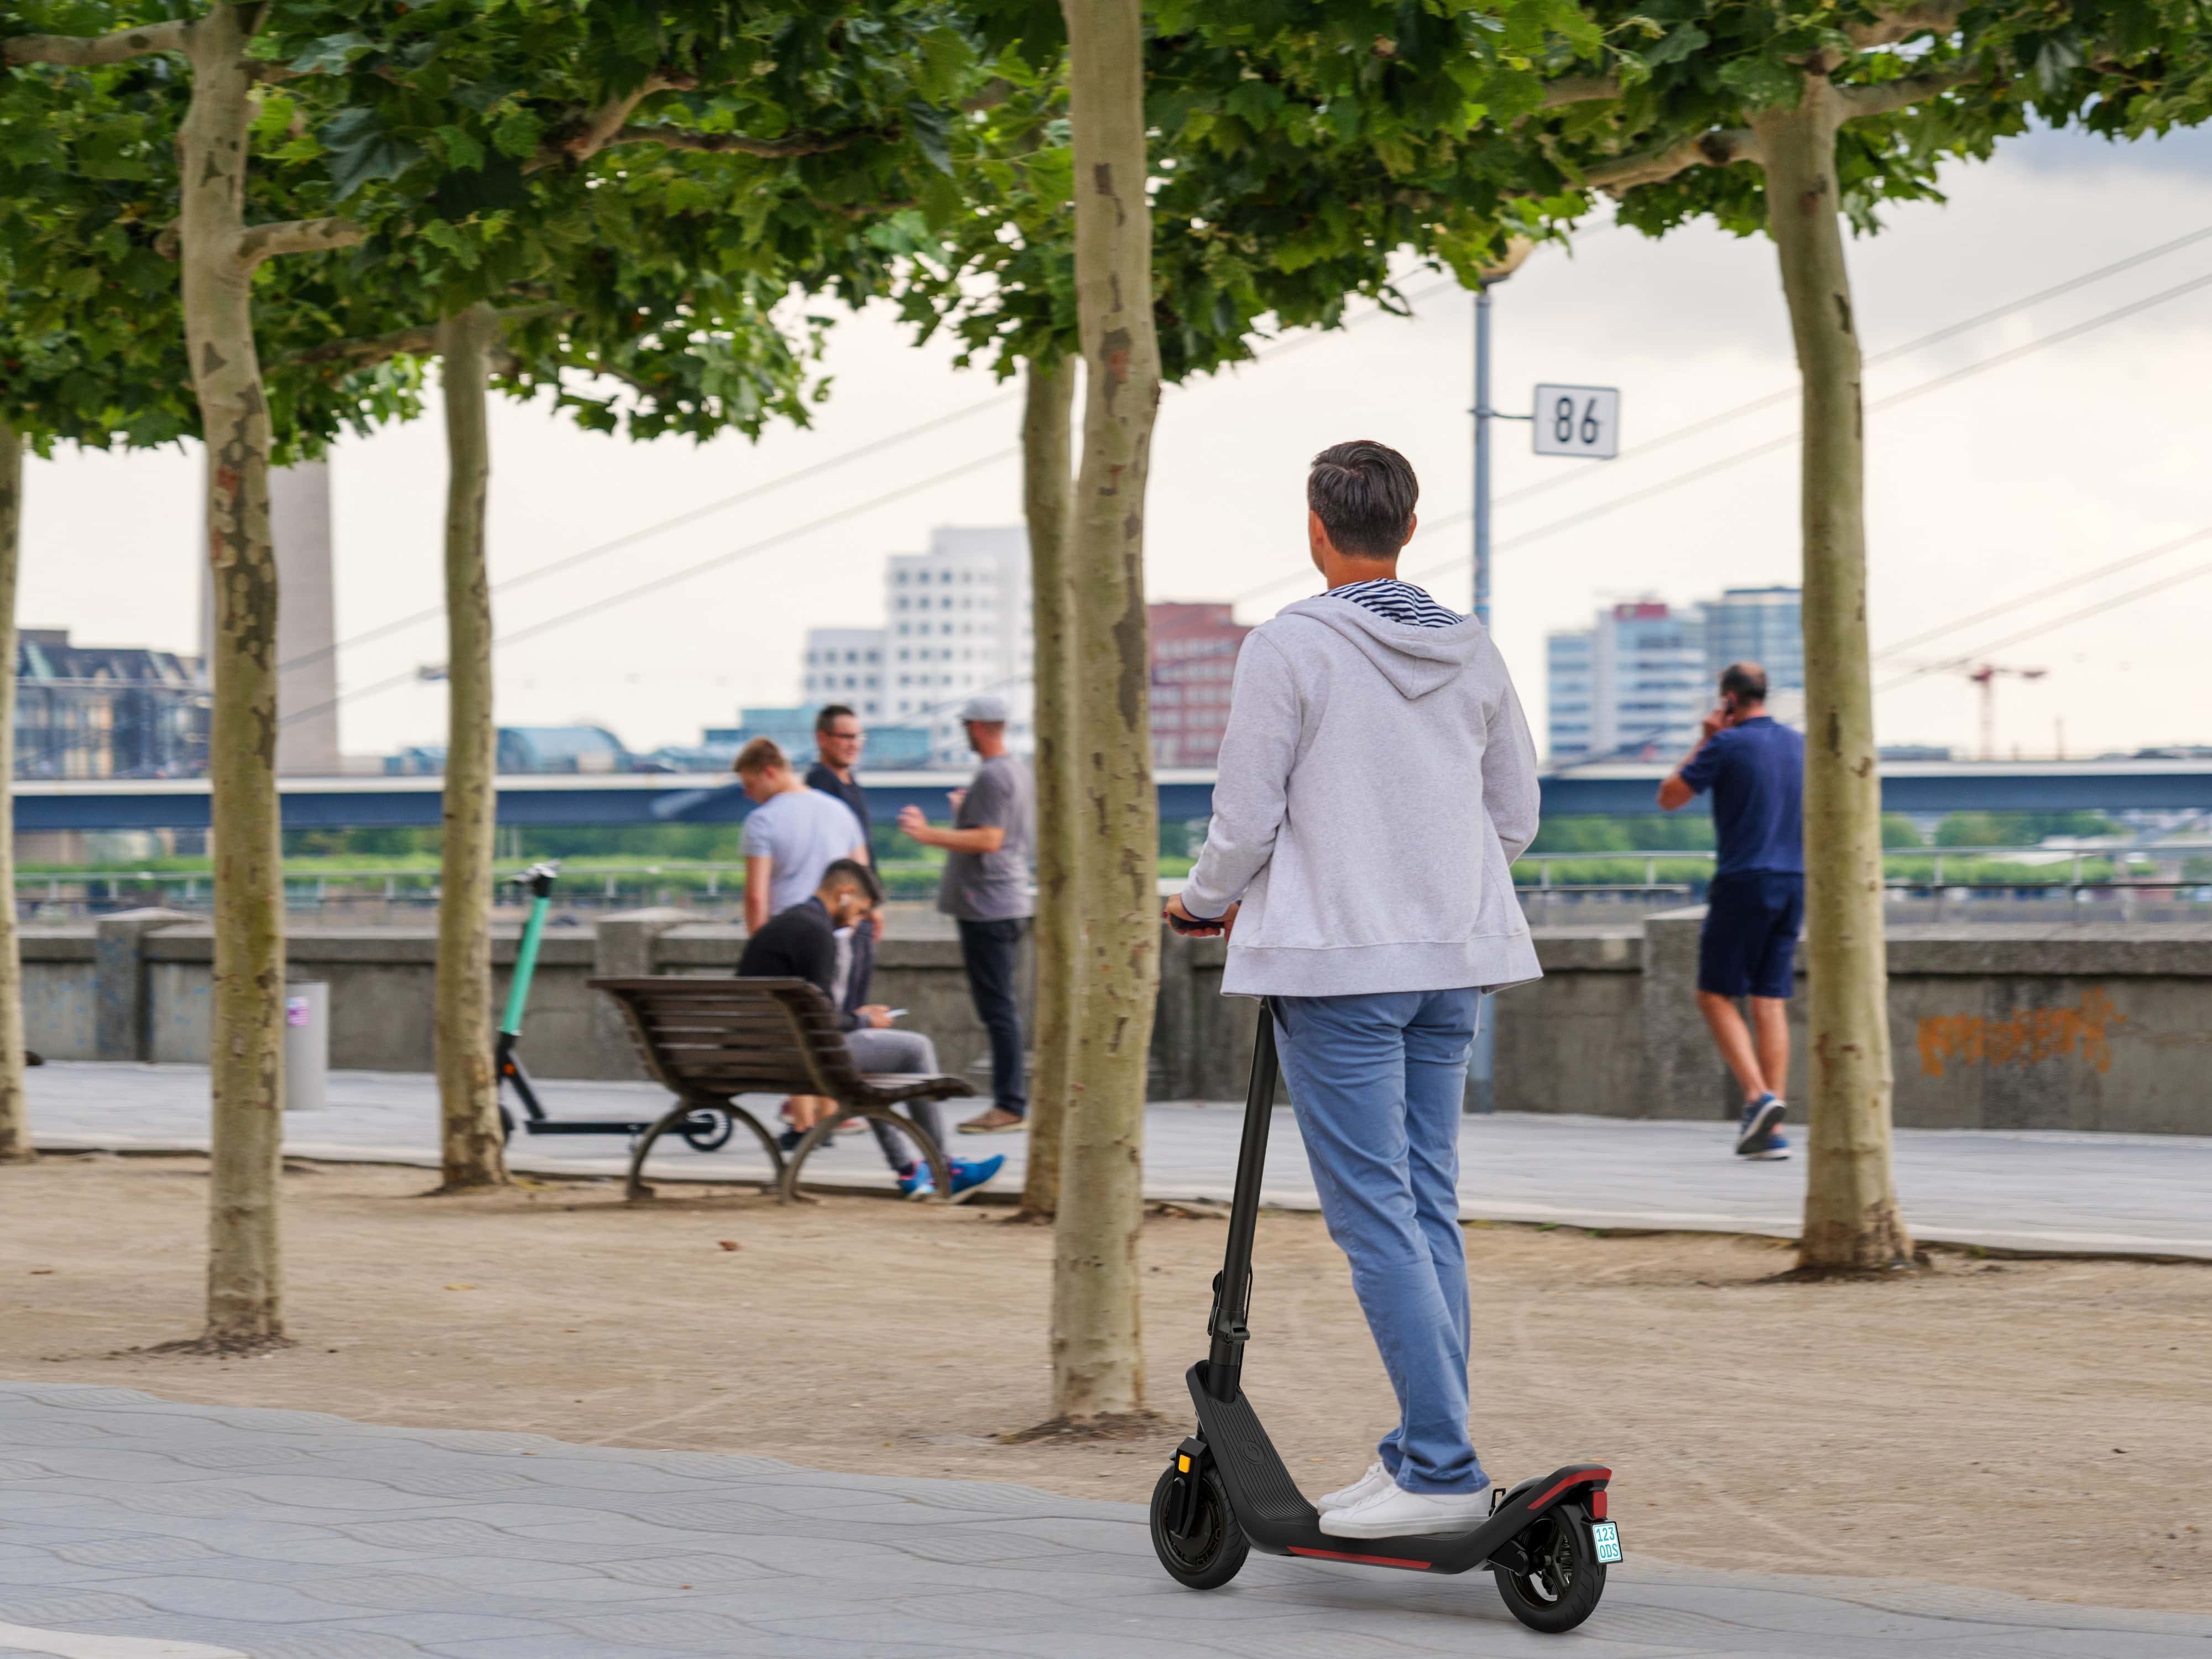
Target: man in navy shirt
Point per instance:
(1755, 768)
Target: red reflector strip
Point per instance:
(1571, 1480)
(1597, 1504)
(1364, 1560)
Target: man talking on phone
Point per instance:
(1755, 768)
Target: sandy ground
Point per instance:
(2039, 1427)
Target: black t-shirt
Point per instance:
(821, 777)
(794, 944)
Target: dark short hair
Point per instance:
(1364, 493)
(1744, 680)
(836, 711)
(851, 873)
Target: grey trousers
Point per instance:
(877, 1051)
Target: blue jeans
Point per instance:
(1379, 1082)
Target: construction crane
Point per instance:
(1985, 675)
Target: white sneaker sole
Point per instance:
(1341, 1525)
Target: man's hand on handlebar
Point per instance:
(1180, 917)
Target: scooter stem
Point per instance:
(1232, 1291)
(525, 962)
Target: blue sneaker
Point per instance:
(1759, 1118)
(1768, 1148)
(970, 1173)
(918, 1183)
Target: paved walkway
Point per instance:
(132, 1527)
(2139, 1194)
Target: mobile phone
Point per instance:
(894, 1013)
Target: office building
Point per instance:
(1636, 685)
(1761, 625)
(957, 626)
(1193, 659)
(89, 711)
(844, 665)
(1631, 686)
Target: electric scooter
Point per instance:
(1546, 1540)
(705, 1132)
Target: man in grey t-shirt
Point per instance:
(986, 890)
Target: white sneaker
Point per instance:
(1343, 1498)
(1393, 1512)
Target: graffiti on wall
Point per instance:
(2026, 1038)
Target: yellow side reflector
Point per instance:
(1182, 1463)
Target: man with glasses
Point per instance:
(838, 739)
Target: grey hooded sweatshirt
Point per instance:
(1376, 780)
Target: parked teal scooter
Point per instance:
(705, 1132)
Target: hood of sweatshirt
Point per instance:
(1415, 660)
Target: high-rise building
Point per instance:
(1193, 659)
(1637, 682)
(958, 626)
(1761, 625)
(1569, 694)
(845, 664)
(306, 624)
(1631, 687)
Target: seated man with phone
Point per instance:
(801, 943)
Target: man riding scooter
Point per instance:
(1360, 863)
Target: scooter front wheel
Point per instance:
(1213, 1552)
(1563, 1578)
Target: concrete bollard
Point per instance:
(122, 1027)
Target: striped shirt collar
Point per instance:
(1398, 602)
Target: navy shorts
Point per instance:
(1750, 937)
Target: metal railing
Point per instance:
(1961, 872)
(55, 894)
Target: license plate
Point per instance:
(1607, 1536)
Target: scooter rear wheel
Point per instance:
(1216, 1547)
(707, 1131)
(1565, 1577)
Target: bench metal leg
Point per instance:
(681, 1110)
(940, 1169)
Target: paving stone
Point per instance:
(380, 1544)
(2013, 1190)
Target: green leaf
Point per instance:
(944, 61)
(360, 151)
(931, 129)
(333, 54)
(518, 133)
(1762, 83)
(1685, 39)
(2057, 59)
(462, 150)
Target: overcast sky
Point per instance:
(2034, 473)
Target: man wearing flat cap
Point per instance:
(986, 890)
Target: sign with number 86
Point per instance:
(1578, 420)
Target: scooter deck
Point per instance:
(1278, 1520)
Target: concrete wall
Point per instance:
(2092, 1027)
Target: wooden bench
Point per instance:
(709, 1040)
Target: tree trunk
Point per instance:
(15, 1122)
(468, 1086)
(1098, 1362)
(1852, 1216)
(1046, 486)
(244, 1281)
